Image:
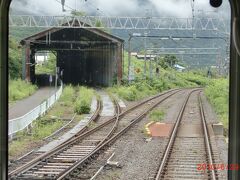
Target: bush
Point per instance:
(19, 89)
(82, 107)
(217, 94)
(195, 79)
(168, 78)
(129, 93)
(83, 101)
(15, 62)
(45, 127)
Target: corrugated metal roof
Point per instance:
(53, 30)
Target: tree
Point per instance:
(78, 13)
(15, 63)
(168, 61)
(171, 60)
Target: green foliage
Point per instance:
(19, 89)
(167, 79)
(20, 33)
(78, 13)
(217, 94)
(137, 64)
(168, 61)
(129, 93)
(67, 97)
(156, 115)
(45, 127)
(195, 78)
(15, 62)
(48, 67)
(135, 91)
(83, 101)
(98, 24)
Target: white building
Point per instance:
(179, 68)
(41, 57)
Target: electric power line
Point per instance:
(65, 5)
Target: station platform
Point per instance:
(23, 106)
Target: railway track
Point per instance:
(184, 154)
(128, 119)
(33, 154)
(60, 162)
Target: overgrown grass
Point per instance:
(45, 127)
(168, 79)
(194, 78)
(17, 146)
(67, 97)
(19, 89)
(133, 92)
(217, 94)
(156, 115)
(83, 101)
(41, 128)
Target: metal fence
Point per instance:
(20, 123)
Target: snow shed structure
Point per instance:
(84, 55)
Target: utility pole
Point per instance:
(145, 51)
(63, 4)
(129, 55)
(150, 67)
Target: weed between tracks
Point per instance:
(83, 101)
(156, 115)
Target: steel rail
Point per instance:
(206, 136)
(45, 155)
(79, 136)
(173, 137)
(63, 127)
(112, 139)
(117, 114)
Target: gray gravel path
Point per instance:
(24, 106)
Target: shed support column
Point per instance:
(119, 63)
(26, 62)
(32, 66)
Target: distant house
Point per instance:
(149, 56)
(179, 68)
(41, 57)
(134, 53)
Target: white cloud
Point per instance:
(178, 8)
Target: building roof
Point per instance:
(179, 67)
(139, 56)
(98, 32)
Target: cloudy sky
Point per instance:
(178, 8)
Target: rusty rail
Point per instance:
(206, 136)
(112, 139)
(171, 142)
(82, 135)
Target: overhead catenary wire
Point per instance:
(68, 6)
